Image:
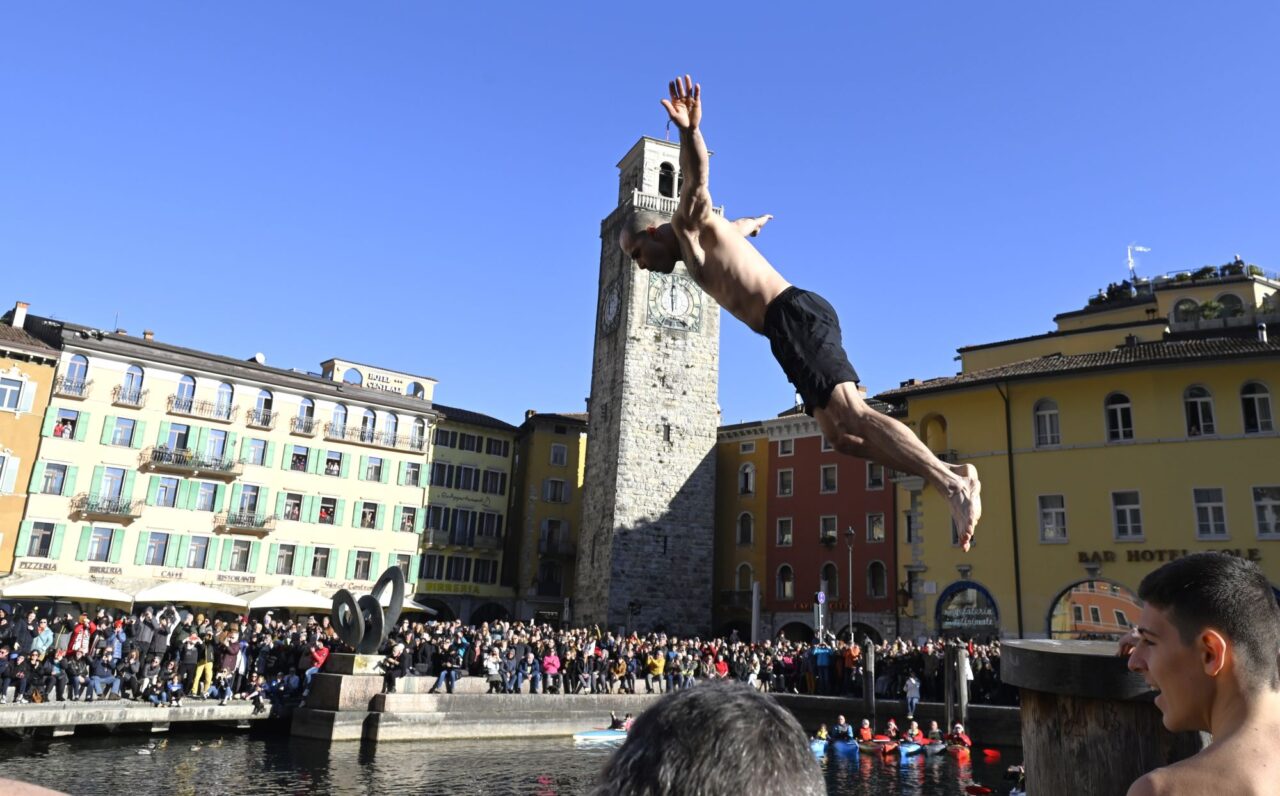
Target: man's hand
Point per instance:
(685, 105)
(750, 227)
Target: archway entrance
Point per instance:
(861, 632)
(966, 609)
(489, 612)
(796, 631)
(1093, 609)
(443, 612)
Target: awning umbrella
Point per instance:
(182, 593)
(287, 597)
(65, 587)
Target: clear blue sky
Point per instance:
(420, 185)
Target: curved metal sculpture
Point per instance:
(362, 622)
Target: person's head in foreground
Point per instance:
(1208, 638)
(719, 739)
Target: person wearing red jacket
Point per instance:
(958, 736)
(319, 654)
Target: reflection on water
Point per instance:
(255, 765)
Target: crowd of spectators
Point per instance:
(165, 656)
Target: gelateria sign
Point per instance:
(1148, 556)
(967, 609)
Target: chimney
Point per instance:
(529, 413)
(19, 314)
(1131, 340)
(147, 334)
(1262, 333)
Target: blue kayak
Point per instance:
(600, 736)
(844, 748)
(907, 748)
(819, 747)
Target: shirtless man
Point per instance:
(802, 328)
(1207, 641)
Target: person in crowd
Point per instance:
(394, 666)
(865, 733)
(913, 733)
(841, 730)
(935, 732)
(316, 657)
(531, 671)
(912, 690)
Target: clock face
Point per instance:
(675, 302)
(611, 308)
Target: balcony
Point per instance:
(185, 405)
(740, 600)
(304, 426)
(252, 522)
(105, 508)
(187, 462)
(71, 388)
(380, 439)
(260, 418)
(487, 542)
(128, 396)
(557, 548)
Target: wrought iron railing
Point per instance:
(260, 418)
(105, 506)
(213, 410)
(488, 542)
(368, 436)
(71, 388)
(186, 459)
(306, 426)
(246, 520)
(122, 395)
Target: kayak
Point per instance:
(908, 748)
(934, 748)
(600, 736)
(959, 750)
(888, 748)
(869, 746)
(843, 748)
(818, 747)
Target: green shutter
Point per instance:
(231, 445)
(338, 508)
(163, 438)
(55, 546)
(24, 540)
(37, 477)
(385, 473)
(270, 455)
(308, 508)
(254, 548)
(197, 438)
(184, 544)
(211, 558)
(82, 426)
(301, 558)
(69, 483)
(117, 545)
(50, 420)
(226, 554)
(153, 490)
(379, 517)
(333, 563)
(108, 423)
(126, 491)
(185, 499)
(420, 519)
(96, 483)
(140, 551)
(264, 499)
(235, 498)
(375, 560)
(364, 468)
(286, 458)
(397, 517)
(355, 514)
(273, 557)
(400, 473)
(313, 461)
(414, 568)
(280, 505)
(139, 428)
(171, 551)
(346, 462)
(82, 549)
(219, 498)
(351, 564)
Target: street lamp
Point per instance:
(848, 538)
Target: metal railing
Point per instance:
(366, 436)
(71, 388)
(260, 418)
(557, 547)
(185, 459)
(105, 506)
(245, 520)
(128, 396)
(213, 410)
(306, 426)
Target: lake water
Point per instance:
(243, 764)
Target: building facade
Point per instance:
(1140, 430)
(742, 501)
(27, 370)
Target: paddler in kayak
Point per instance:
(913, 734)
(958, 736)
(842, 731)
(623, 724)
(822, 734)
(935, 732)
(864, 732)
(892, 730)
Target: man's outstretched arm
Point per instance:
(685, 109)
(750, 226)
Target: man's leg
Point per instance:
(858, 430)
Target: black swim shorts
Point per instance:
(804, 333)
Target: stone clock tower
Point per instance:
(645, 546)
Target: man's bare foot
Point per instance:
(966, 503)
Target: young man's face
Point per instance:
(1175, 669)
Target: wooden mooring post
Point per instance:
(1088, 723)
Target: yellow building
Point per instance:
(26, 377)
(742, 460)
(161, 463)
(1141, 429)
(466, 517)
(546, 513)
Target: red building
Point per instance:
(821, 505)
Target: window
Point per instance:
(495, 483)
(786, 583)
(306, 412)
(179, 438)
(408, 519)
(1053, 518)
(131, 386)
(368, 425)
(827, 529)
(786, 447)
(368, 514)
(1119, 418)
(284, 559)
(497, 447)
(1127, 510)
(328, 510)
(112, 484)
(441, 474)
(225, 396)
(320, 562)
(747, 479)
(41, 540)
(1199, 406)
(55, 479)
(877, 580)
(100, 544)
(468, 478)
(747, 447)
(157, 546)
(432, 567)
(1211, 513)
(373, 469)
(1255, 401)
(198, 552)
(292, 507)
(667, 180)
(256, 451)
(185, 397)
(338, 420)
(419, 434)
(298, 458)
(122, 432)
(485, 571)
(391, 428)
(206, 495)
(167, 492)
(875, 476)
(555, 491)
(446, 439)
(830, 581)
(784, 532)
(1121, 619)
(559, 455)
(458, 568)
(1186, 310)
(785, 483)
(249, 499)
(1077, 613)
(490, 524)
(913, 527)
(746, 528)
(240, 550)
(10, 389)
(216, 447)
(333, 463)
(469, 442)
(412, 474)
(1095, 615)
(403, 562)
(827, 446)
(1266, 508)
(437, 518)
(77, 373)
(1046, 426)
(66, 425)
(827, 480)
(875, 527)
(1232, 306)
(745, 575)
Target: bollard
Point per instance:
(869, 680)
(962, 685)
(1088, 723)
(948, 684)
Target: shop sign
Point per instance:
(43, 566)
(171, 574)
(485, 501)
(1144, 555)
(451, 588)
(250, 579)
(106, 570)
